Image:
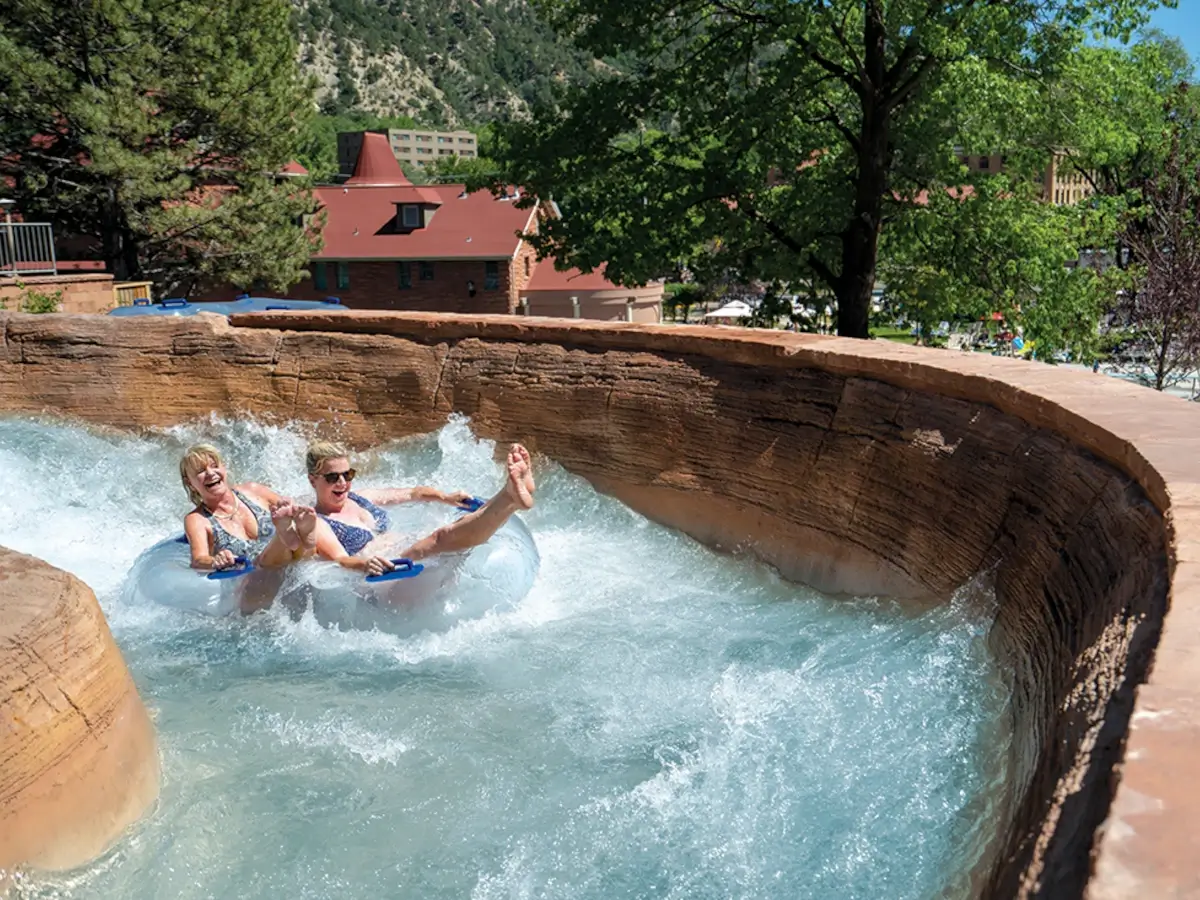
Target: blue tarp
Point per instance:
(241, 305)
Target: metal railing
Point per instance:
(128, 292)
(27, 248)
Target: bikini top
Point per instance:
(240, 546)
(352, 537)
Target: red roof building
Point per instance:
(390, 244)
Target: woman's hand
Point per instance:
(377, 565)
(223, 559)
(456, 498)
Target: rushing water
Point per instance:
(653, 720)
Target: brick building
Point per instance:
(389, 244)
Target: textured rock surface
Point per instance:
(856, 467)
(78, 758)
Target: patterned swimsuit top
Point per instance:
(240, 546)
(353, 538)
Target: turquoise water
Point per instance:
(652, 721)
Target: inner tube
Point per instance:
(430, 594)
(163, 574)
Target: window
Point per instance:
(424, 138)
(984, 162)
(343, 276)
(442, 140)
(406, 137)
(426, 271)
(403, 275)
(411, 215)
(320, 279)
(526, 266)
(445, 152)
(466, 140)
(491, 276)
(425, 151)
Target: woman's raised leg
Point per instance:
(475, 528)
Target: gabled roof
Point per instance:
(361, 223)
(361, 220)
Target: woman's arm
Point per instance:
(330, 548)
(420, 494)
(200, 542)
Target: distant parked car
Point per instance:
(246, 304)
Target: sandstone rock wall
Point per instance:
(78, 757)
(855, 467)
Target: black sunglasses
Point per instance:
(335, 477)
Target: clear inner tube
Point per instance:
(448, 588)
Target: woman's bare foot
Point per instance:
(283, 515)
(520, 484)
(305, 521)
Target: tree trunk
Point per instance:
(860, 240)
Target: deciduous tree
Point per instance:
(1163, 235)
(787, 132)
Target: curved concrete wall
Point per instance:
(78, 758)
(853, 466)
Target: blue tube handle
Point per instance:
(241, 566)
(472, 504)
(405, 568)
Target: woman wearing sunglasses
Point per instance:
(350, 521)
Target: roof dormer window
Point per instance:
(410, 215)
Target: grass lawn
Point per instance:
(899, 335)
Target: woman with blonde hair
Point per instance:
(248, 521)
(349, 523)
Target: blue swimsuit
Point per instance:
(353, 538)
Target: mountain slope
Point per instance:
(443, 62)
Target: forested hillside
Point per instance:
(443, 62)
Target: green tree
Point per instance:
(154, 127)
(784, 132)
(997, 248)
(1106, 111)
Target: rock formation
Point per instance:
(865, 468)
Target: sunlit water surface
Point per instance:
(653, 720)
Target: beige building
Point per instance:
(1062, 183)
(410, 146)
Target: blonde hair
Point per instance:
(320, 451)
(194, 460)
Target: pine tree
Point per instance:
(153, 127)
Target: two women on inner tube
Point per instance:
(253, 522)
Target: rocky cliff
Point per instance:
(443, 62)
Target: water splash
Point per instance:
(652, 720)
